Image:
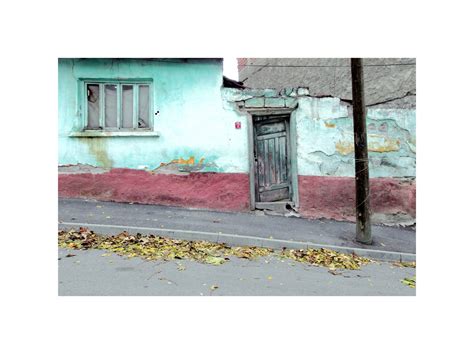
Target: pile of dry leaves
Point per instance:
(157, 247)
(327, 258)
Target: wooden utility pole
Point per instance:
(363, 231)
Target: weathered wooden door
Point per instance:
(273, 181)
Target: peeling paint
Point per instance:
(325, 150)
(412, 144)
(181, 161)
(184, 166)
(381, 144)
(329, 125)
(191, 119)
(80, 168)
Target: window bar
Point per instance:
(149, 115)
(102, 106)
(135, 106)
(86, 108)
(119, 106)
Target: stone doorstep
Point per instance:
(279, 208)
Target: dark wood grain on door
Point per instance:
(271, 154)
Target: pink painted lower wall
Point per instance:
(320, 197)
(218, 191)
(334, 197)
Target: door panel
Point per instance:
(271, 152)
(276, 195)
(270, 128)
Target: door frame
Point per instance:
(251, 113)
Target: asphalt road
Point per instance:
(91, 273)
(325, 232)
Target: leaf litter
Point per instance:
(153, 247)
(405, 264)
(411, 282)
(327, 258)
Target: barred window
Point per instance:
(118, 105)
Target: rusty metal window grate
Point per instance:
(118, 106)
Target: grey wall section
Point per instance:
(389, 82)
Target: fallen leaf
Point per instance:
(181, 267)
(214, 260)
(269, 277)
(411, 282)
(326, 258)
(405, 264)
(153, 247)
(214, 287)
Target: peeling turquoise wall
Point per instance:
(192, 123)
(324, 132)
(325, 139)
(196, 124)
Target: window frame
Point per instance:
(136, 103)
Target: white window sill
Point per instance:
(107, 134)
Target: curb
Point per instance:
(243, 240)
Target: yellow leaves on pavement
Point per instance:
(156, 247)
(405, 264)
(250, 252)
(327, 258)
(214, 260)
(411, 282)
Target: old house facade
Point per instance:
(167, 131)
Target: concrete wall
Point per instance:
(324, 132)
(199, 159)
(195, 132)
(325, 153)
(390, 82)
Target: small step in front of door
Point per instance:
(283, 208)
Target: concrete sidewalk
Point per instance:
(89, 273)
(390, 243)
